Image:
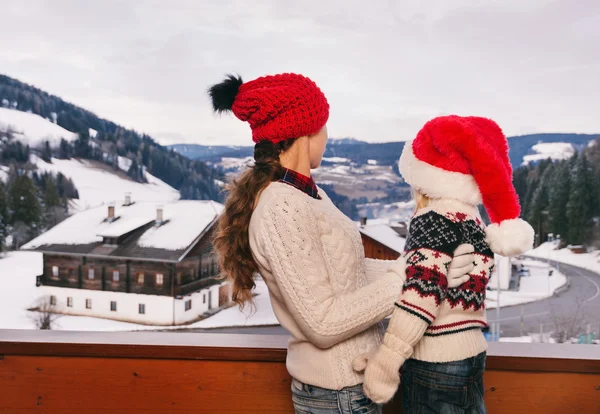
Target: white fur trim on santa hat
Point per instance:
(510, 237)
(435, 182)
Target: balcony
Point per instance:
(75, 373)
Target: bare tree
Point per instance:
(44, 314)
(568, 322)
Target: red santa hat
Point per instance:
(466, 159)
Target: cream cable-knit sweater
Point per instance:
(323, 290)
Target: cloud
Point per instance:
(386, 68)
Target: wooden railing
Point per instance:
(75, 373)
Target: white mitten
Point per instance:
(462, 264)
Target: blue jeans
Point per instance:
(309, 399)
(446, 388)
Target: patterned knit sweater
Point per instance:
(322, 289)
(439, 323)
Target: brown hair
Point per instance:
(231, 241)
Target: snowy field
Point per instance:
(33, 130)
(589, 261)
(534, 287)
(98, 185)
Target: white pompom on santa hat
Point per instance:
(466, 159)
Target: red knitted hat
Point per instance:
(277, 107)
(466, 158)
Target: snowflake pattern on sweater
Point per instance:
(427, 307)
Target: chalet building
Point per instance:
(383, 239)
(134, 262)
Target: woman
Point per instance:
(278, 223)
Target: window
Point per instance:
(204, 298)
(159, 279)
(179, 278)
(188, 305)
(142, 309)
(113, 306)
(212, 268)
(115, 276)
(91, 273)
(205, 271)
(88, 304)
(71, 273)
(55, 272)
(140, 278)
(70, 302)
(53, 300)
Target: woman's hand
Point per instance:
(462, 264)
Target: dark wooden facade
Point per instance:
(197, 270)
(377, 250)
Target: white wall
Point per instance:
(160, 310)
(502, 273)
(200, 304)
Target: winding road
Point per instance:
(584, 291)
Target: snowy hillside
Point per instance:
(33, 130)
(98, 184)
(552, 150)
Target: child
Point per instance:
(454, 164)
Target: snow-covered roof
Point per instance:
(183, 222)
(33, 130)
(382, 232)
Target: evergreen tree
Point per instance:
(51, 196)
(538, 208)
(23, 201)
(3, 215)
(579, 207)
(82, 147)
(558, 199)
(25, 214)
(65, 151)
(47, 152)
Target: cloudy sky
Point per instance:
(385, 66)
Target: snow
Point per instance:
(124, 163)
(228, 163)
(98, 185)
(183, 222)
(553, 150)
(372, 162)
(3, 173)
(32, 129)
(384, 234)
(92, 132)
(589, 261)
(536, 286)
(262, 315)
(336, 160)
(186, 220)
(530, 339)
(401, 210)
